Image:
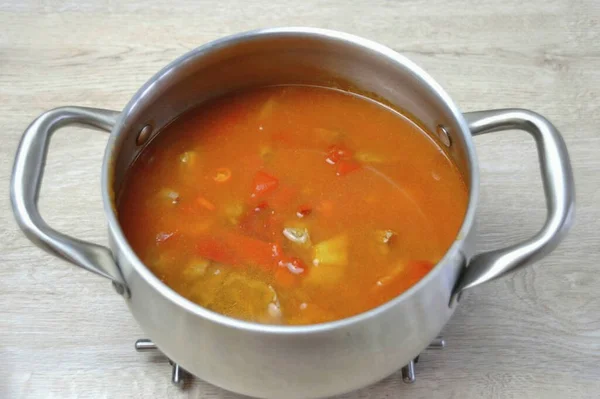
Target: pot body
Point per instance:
(292, 361)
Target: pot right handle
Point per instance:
(559, 188)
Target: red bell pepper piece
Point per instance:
(240, 250)
(336, 153)
(264, 183)
(346, 166)
(303, 210)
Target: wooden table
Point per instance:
(535, 334)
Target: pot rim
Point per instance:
(197, 310)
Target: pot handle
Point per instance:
(559, 189)
(25, 184)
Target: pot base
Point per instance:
(179, 375)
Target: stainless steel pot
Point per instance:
(292, 361)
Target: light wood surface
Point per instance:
(535, 334)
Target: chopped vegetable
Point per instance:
(297, 235)
(234, 212)
(243, 296)
(288, 273)
(262, 223)
(336, 153)
(189, 158)
(170, 195)
(405, 274)
(222, 175)
(328, 135)
(261, 206)
(216, 250)
(293, 265)
(303, 211)
(385, 236)
(264, 183)
(368, 157)
(239, 250)
(265, 152)
(196, 268)
(332, 252)
(267, 108)
(389, 278)
(274, 310)
(162, 236)
(203, 202)
(384, 239)
(344, 167)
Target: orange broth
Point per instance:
(292, 204)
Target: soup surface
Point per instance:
(292, 204)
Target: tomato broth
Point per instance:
(292, 204)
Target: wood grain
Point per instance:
(534, 334)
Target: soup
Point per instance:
(292, 204)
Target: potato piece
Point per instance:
(267, 108)
(369, 157)
(390, 277)
(330, 258)
(246, 298)
(205, 290)
(384, 240)
(385, 236)
(169, 195)
(234, 212)
(332, 252)
(196, 268)
(328, 135)
(189, 158)
(265, 152)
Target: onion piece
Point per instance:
(297, 235)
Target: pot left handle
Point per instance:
(26, 179)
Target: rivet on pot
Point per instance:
(144, 135)
(444, 136)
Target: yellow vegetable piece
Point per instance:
(168, 195)
(196, 268)
(389, 278)
(189, 158)
(234, 212)
(265, 152)
(267, 108)
(369, 157)
(330, 258)
(328, 135)
(332, 252)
